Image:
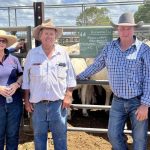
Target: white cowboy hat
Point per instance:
(127, 19)
(11, 39)
(48, 25)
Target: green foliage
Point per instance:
(93, 16)
(143, 13)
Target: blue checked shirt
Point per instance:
(128, 71)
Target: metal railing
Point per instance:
(81, 106)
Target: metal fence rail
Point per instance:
(93, 130)
(80, 106)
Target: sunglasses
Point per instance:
(3, 41)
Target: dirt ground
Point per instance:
(80, 140)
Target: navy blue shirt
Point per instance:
(10, 70)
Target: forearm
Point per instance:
(69, 92)
(28, 106)
(19, 80)
(68, 97)
(18, 83)
(92, 69)
(26, 95)
(14, 86)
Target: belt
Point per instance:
(45, 101)
(138, 97)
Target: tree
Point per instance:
(143, 13)
(93, 16)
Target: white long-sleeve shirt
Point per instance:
(48, 79)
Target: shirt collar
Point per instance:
(137, 43)
(58, 50)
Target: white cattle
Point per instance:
(147, 42)
(102, 75)
(72, 49)
(85, 91)
(79, 65)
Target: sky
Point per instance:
(64, 16)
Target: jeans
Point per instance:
(120, 110)
(50, 116)
(10, 118)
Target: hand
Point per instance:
(142, 113)
(13, 87)
(66, 102)
(28, 106)
(4, 91)
(19, 45)
(79, 78)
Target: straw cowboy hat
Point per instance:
(11, 39)
(48, 24)
(127, 19)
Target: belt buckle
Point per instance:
(45, 101)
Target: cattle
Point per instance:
(147, 42)
(86, 92)
(72, 49)
(101, 75)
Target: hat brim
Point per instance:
(10, 39)
(36, 31)
(138, 25)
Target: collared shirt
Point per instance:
(48, 79)
(10, 70)
(128, 71)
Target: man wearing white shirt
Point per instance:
(48, 81)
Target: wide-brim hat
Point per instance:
(11, 39)
(127, 19)
(48, 24)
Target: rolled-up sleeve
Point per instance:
(71, 77)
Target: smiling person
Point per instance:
(10, 94)
(128, 63)
(48, 80)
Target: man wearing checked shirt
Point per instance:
(128, 63)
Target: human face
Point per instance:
(3, 43)
(126, 32)
(48, 36)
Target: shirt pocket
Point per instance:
(36, 70)
(62, 72)
(132, 67)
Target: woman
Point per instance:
(10, 94)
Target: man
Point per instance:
(128, 63)
(48, 81)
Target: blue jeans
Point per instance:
(50, 116)
(10, 117)
(120, 110)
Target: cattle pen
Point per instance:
(72, 35)
(26, 33)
